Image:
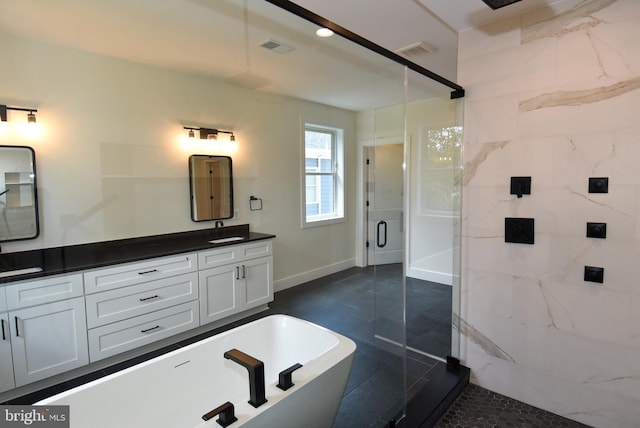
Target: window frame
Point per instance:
(337, 172)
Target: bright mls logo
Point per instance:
(34, 416)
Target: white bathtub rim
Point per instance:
(344, 349)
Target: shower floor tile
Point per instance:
(478, 407)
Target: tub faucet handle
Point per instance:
(226, 412)
(284, 378)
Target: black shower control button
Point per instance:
(594, 274)
(520, 186)
(597, 230)
(599, 185)
(518, 230)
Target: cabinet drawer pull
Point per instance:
(4, 331)
(150, 329)
(144, 299)
(17, 326)
(244, 271)
(148, 271)
(237, 272)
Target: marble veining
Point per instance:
(471, 167)
(601, 65)
(577, 18)
(552, 322)
(602, 204)
(598, 379)
(481, 340)
(579, 97)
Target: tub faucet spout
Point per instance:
(255, 368)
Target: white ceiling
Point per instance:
(209, 37)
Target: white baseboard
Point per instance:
(427, 275)
(301, 278)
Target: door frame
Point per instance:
(361, 209)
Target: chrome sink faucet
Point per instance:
(219, 223)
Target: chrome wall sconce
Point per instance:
(31, 116)
(208, 133)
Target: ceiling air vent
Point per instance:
(497, 4)
(276, 46)
(416, 49)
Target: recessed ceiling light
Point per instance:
(324, 32)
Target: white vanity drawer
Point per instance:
(139, 272)
(39, 291)
(127, 302)
(233, 254)
(125, 335)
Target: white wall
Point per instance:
(110, 165)
(431, 238)
(555, 95)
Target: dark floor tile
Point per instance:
(416, 370)
(367, 403)
(364, 364)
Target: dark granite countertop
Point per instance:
(73, 258)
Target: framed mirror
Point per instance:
(211, 185)
(18, 194)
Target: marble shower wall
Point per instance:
(554, 94)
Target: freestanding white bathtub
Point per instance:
(176, 389)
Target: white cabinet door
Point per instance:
(48, 339)
(219, 292)
(6, 361)
(233, 288)
(258, 279)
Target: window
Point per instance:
(323, 176)
(440, 171)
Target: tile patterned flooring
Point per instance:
(346, 302)
(480, 408)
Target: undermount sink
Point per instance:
(20, 272)
(229, 239)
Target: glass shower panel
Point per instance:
(367, 93)
(386, 242)
(433, 222)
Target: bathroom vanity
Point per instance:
(79, 305)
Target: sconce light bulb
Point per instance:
(31, 117)
(232, 138)
(192, 134)
(213, 136)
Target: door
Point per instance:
(6, 360)
(258, 281)
(219, 292)
(48, 340)
(384, 203)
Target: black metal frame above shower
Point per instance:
(458, 91)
